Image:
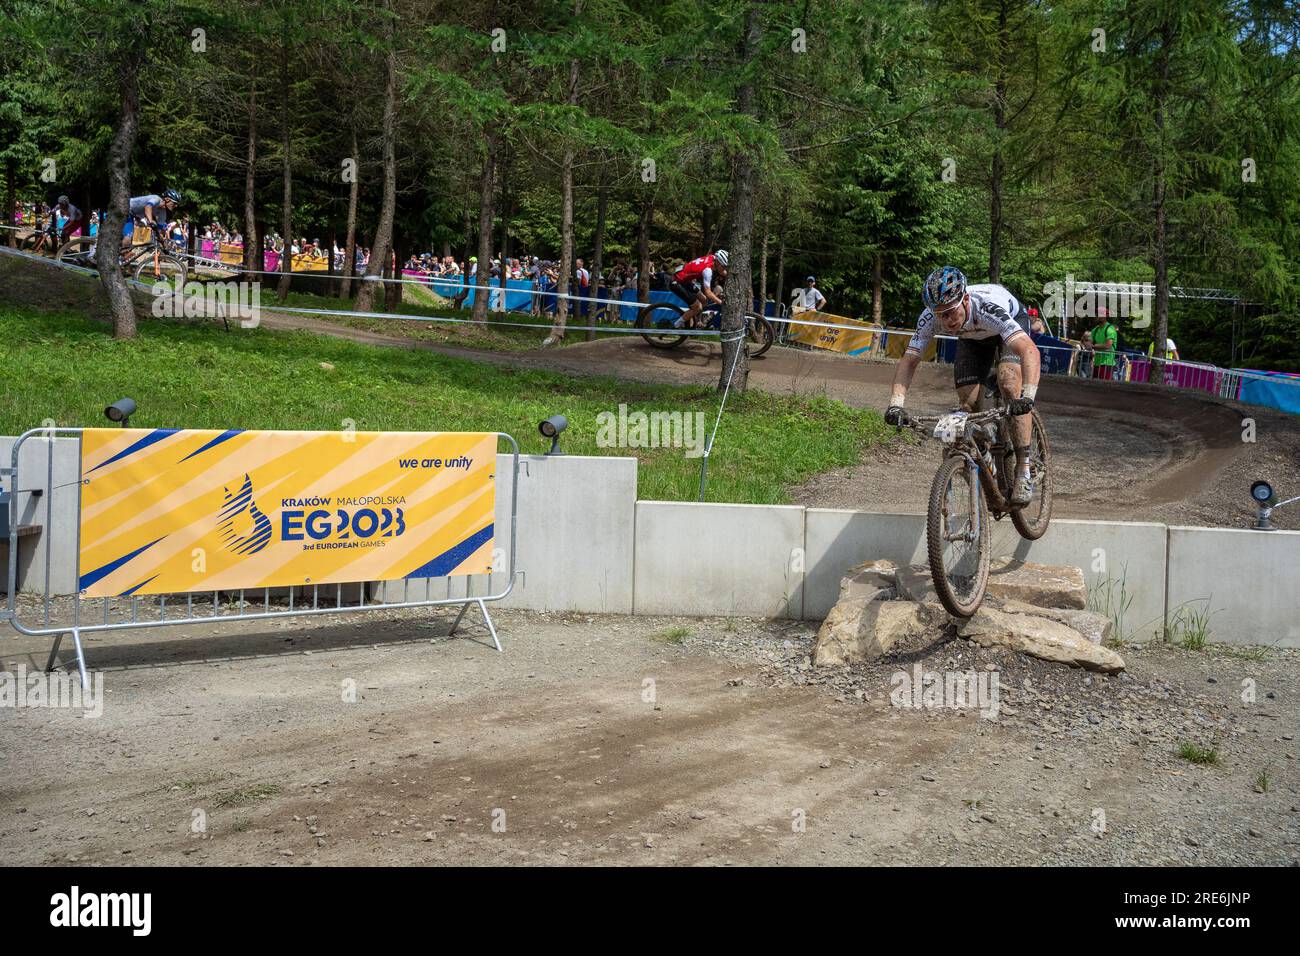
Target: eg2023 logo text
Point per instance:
(246, 529)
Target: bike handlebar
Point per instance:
(977, 418)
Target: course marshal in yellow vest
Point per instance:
(168, 511)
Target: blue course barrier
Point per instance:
(1280, 390)
(1054, 354)
(519, 298)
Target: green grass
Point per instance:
(673, 635)
(1189, 627)
(1109, 596)
(1194, 753)
(67, 368)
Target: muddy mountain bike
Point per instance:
(973, 482)
(659, 318)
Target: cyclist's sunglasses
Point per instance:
(949, 312)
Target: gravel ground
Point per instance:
(614, 740)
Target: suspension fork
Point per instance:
(973, 470)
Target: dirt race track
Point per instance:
(614, 740)
(1121, 452)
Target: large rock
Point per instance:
(1095, 627)
(916, 584)
(864, 580)
(860, 629)
(1039, 637)
(1042, 585)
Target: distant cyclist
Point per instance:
(694, 283)
(990, 324)
(153, 210)
(73, 218)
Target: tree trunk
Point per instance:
(566, 247)
(506, 200)
(643, 250)
(566, 214)
(469, 237)
(780, 260)
(735, 357)
(486, 187)
(286, 208)
(109, 246)
(251, 264)
(393, 290)
(877, 302)
(999, 163)
(383, 244)
(762, 270)
(598, 253)
(11, 204)
(350, 244)
(1160, 252)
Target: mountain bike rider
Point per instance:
(989, 324)
(694, 284)
(154, 210)
(74, 218)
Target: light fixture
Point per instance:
(551, 429)
(121, 411)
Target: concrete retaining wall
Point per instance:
(586, 544)
(63, 503)
(1249, 581)
(724, 559)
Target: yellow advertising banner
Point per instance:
(166, 511)
(836, 340)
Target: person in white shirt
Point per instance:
(1171, 350)
(809, 298)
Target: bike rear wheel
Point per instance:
(661, 315)
(1032, 520)
(957, 537)
(758, 334)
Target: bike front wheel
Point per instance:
(957, 537)
(661, 316)
(1032, 520)
(168, 269)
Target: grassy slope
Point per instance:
(64, 367)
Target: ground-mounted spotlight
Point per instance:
(121, 411)
(1261, 492)
(551, 429)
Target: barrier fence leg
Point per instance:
(81, 656)
(54, 653)
(487, 618)
(81, 659)
(456, 623)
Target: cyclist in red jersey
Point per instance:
(694, 284)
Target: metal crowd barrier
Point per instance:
(74, 615)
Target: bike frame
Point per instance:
(971, 449)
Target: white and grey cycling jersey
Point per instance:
(992, 312)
